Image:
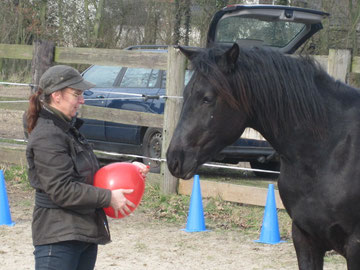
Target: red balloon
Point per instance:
(121, 175)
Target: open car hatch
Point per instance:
(283, 28)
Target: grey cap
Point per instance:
(61, 76)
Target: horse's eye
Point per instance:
(207, 99)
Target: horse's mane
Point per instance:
(283, 87)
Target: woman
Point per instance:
(68, 220)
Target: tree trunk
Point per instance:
(187, 14)
(43, 15)
(61, 20)
(177, 24)
(87, 21)
(98, 23)
(354, 13)
(151, 26)
(20, 19)
(43, 58)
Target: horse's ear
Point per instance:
(227, 61)
(189, 53)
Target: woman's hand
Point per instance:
(144, 169)
(120, 203)
(118, 200)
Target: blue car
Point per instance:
(145, 141)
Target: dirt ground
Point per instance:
(142, 242)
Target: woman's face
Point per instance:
(67, 101)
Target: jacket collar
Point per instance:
(66, 126)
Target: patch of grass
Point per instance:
(5, 140)
(222, 214)
(171, 208)
(13, 105)
(9, 98)
(20, 77)
(16, 175)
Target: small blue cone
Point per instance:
(5, 217)
(196, 220)
(270, 233)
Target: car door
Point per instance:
(127, 95)
(104, 78)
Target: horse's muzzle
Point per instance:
(182, 165)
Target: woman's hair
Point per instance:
(35, 104)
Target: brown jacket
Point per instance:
(61, 169)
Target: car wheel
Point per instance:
(269, 166)
(152, 144)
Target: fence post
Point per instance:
(43, 57)
(174, 87)
(339, 64)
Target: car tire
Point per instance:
(269, 166)
(151, 147)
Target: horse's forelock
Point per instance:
(205, 65)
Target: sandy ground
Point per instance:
(142, 242)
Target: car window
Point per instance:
(102, 76)
(153, 78)
(270, 33)
(139, 78)
(188, 75)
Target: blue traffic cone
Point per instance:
(270, 233)
(196, 220)
(5, 217)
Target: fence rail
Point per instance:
(127, 58)
(155, 60)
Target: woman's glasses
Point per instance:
(77, 93)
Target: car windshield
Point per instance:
(188, 75)
(255, 32)
(140, 77)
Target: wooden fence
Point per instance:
(338, 63)
(172, 61)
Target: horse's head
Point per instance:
(210, 118)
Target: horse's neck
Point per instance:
(342, 122)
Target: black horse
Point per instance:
(311, 120)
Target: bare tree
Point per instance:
(354, 25)
(98, 25)
(177, 24)
(151, 26)
(187, 21)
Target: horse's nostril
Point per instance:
(174, 166)
(173, 162)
